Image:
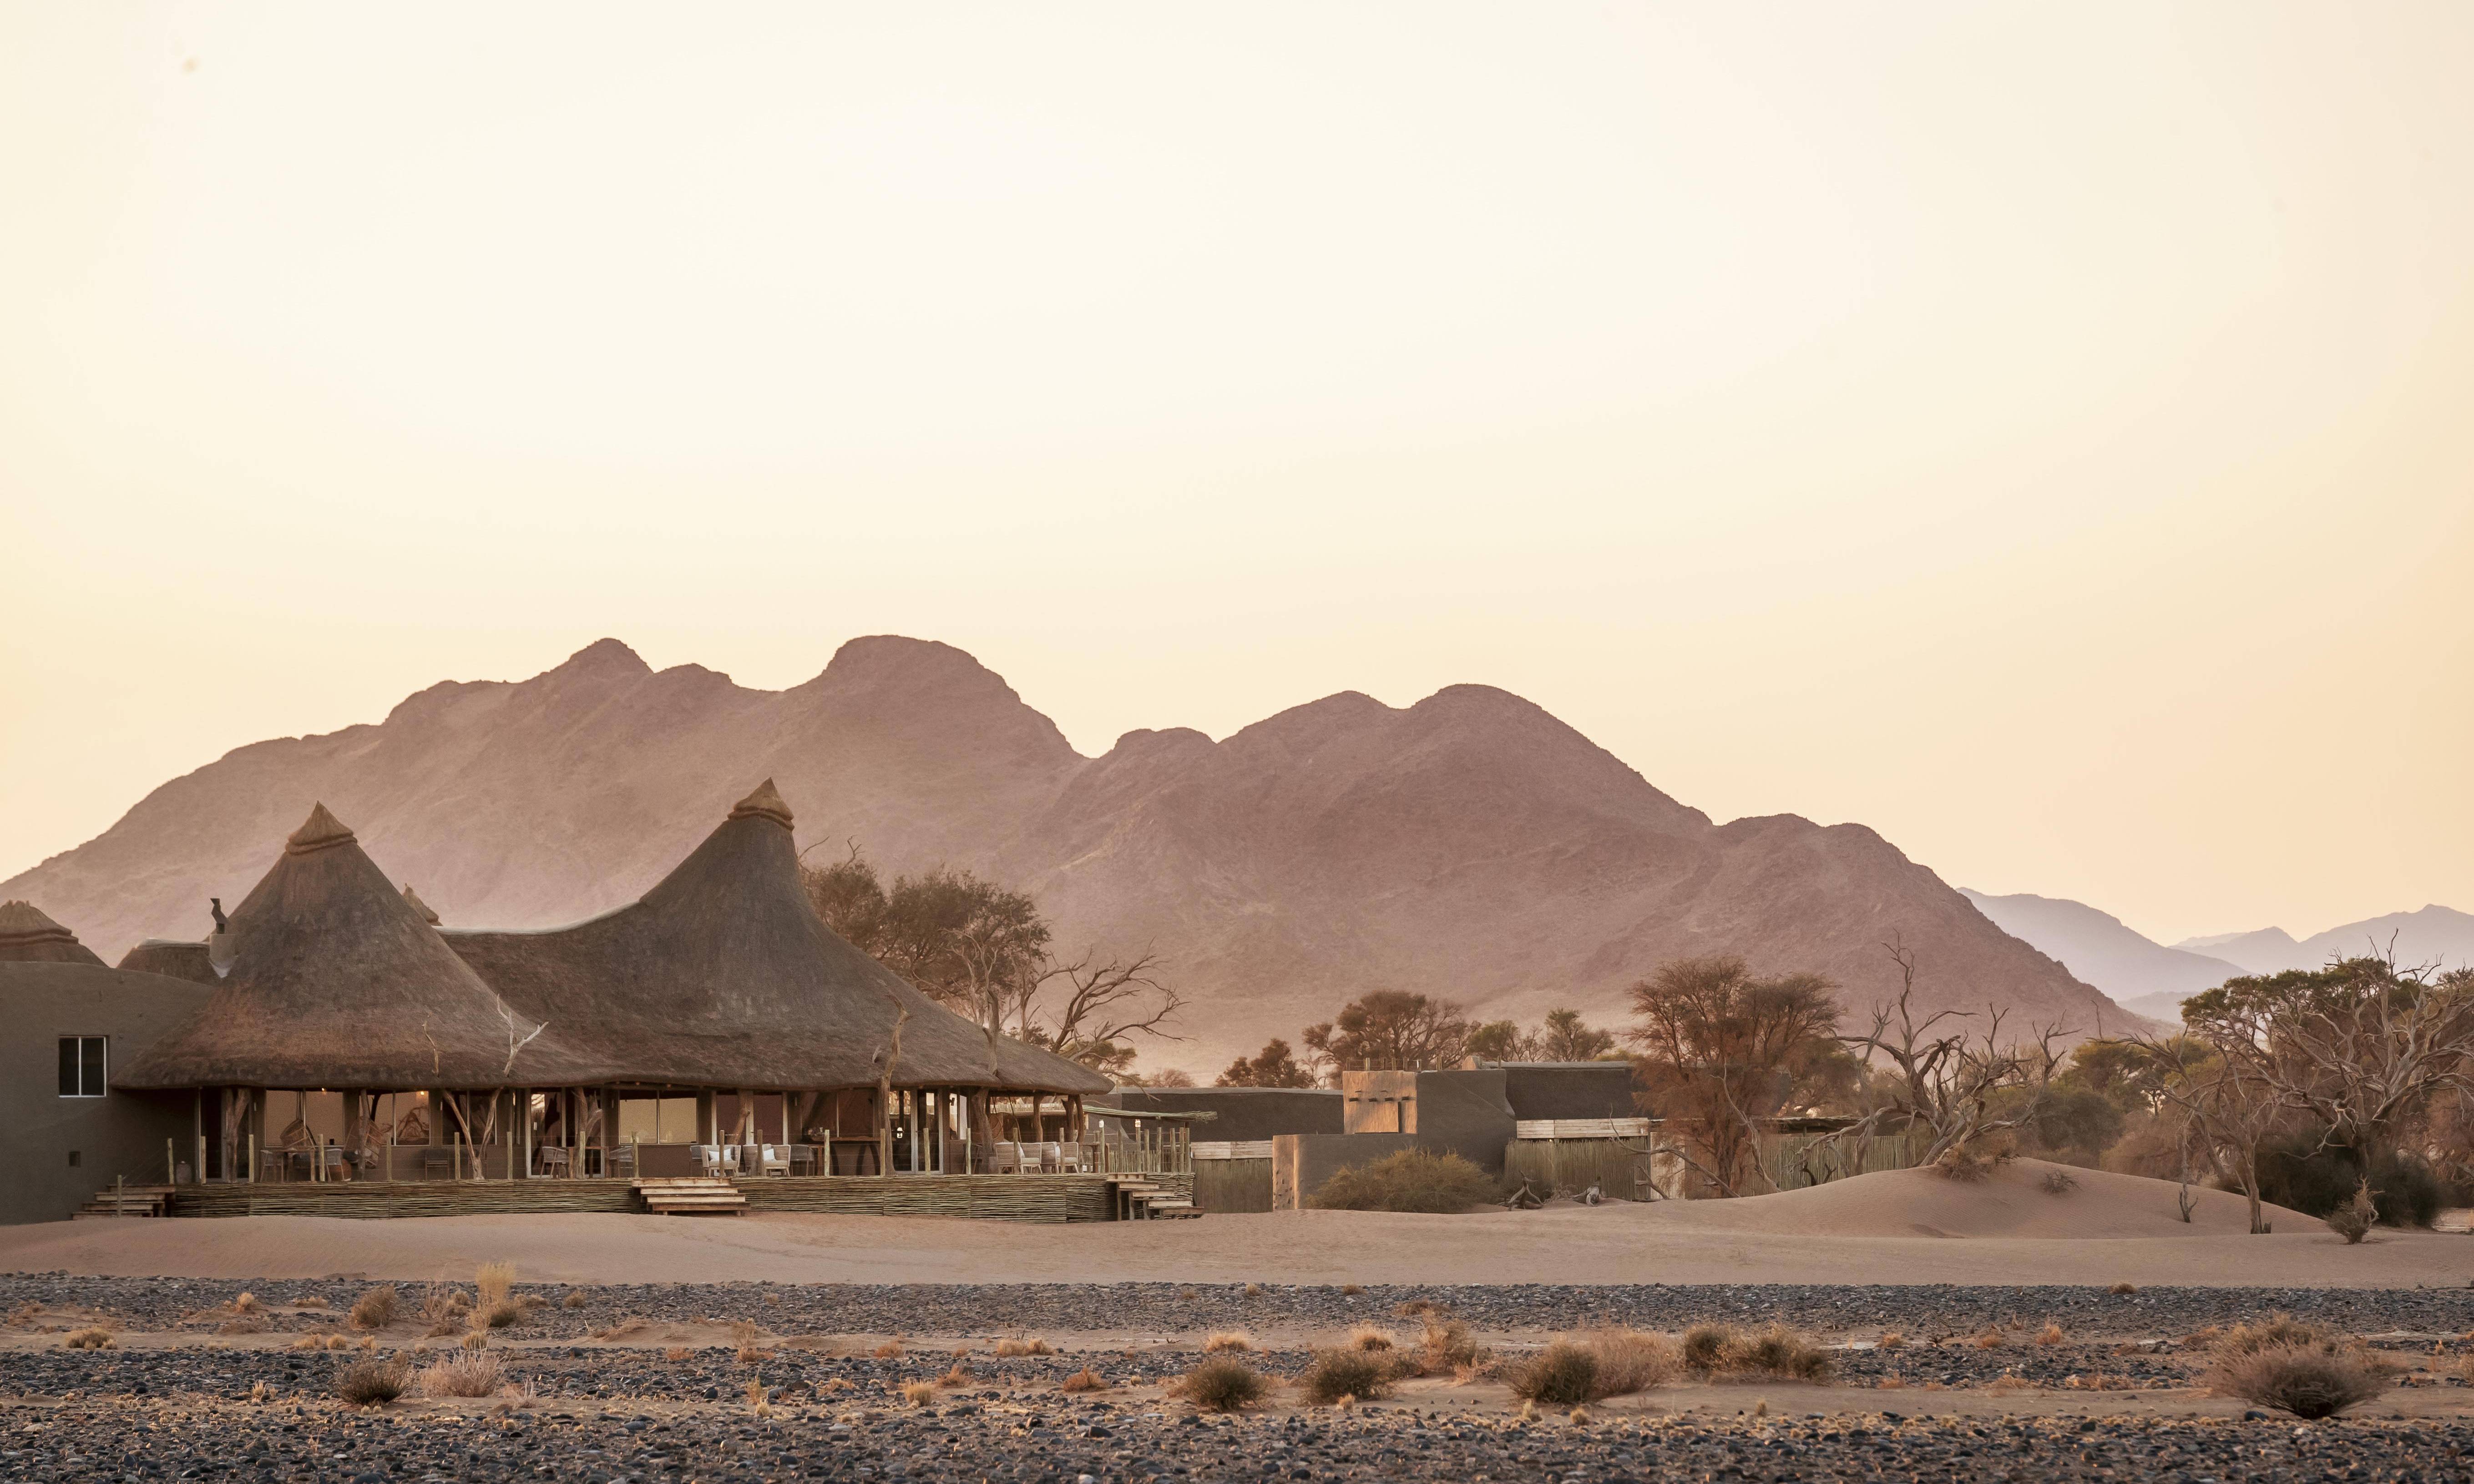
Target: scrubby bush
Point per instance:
(1222, 1384)
(1085, 1380)
(2308, 1381)
(1369, 1337)
(2297, 1172)
(1237, 1340)
(2353, 1220)
(1562, 1374)
(374, 1308)
(1334, 1373)
(1410, 1180)
(89, 1338)
(1445, 1346)
(2278, 1330)
(1019, 1346)
(370, 1380)
(1704, 1346)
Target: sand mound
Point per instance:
(2011, 1202)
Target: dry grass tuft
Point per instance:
(1780, 1352)
(1991, 1338)
(1369, 1337)
(759, 1401)
(374, 1308)
(370, 1381)
(2059, 1182)
(247, 1303)
(1254, 1290)
(918, 1392)
(889, 1350)
(1578, 1417)
(1562, 1374)
(2278, 1329)
(1022, 1346)
(1334, 1373)
(1704, 1346)
(2122, 1288)
(2353, 1220)
(495, 1305)
(1891, 1339)
(1893, 1382)
(88, 1338)
(1085, 1380)
(309, 1342)
(1631, 1360)
(339, 1342)
(1447, 1346)
(960, 1374)
(1221, 1383)
(310, 1301)
(574, 1298)
(1236, 1340)
(1408, 1180)
(2308, 1381)
(473, 1372)
(1411, 1309)
(2050, 1334)
(1351, 1290)
(678, 1353)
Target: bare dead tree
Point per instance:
(2229, 1111)
(1941, 1079)
(1090, 1006)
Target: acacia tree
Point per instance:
(1275, 1065)
(2361, 1046)
(1717, 1048)
(2227, 1110)
(1392, 1030)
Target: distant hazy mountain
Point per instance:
(2144, 975)
(2433, 934)
(1470, 844)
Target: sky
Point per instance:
(2039, 433)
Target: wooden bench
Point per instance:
(690, 1196)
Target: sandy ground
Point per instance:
(1905, 1227)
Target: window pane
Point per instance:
(68, 1067)
(92, 1056)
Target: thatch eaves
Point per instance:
(172, 958)
(429, 913)
(337, 982)
(723, 976)
(28, 935)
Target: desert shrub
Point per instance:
(494, 1304)
(374, 1308)
(1018, 1346)
(1369, 1337)
(889, 1350)
(1085, 1380)
(1222, 1384)
(1334, 1373)
(1410, 1180)
(678, 1353)
(2295, 1171)
(1892, 1339)
(370, 1380)
(1780, 1352)
(918, 1392)
(88, 1338)
(471, 1372)
(2050, 1334)
(574, 1298)
(2353, 1220)
(1237, 1340)
(2122, 1288)
(247, 1303)
(2308, 1381)
(1705, 1346)
(1562, 1374)
(1352, 1290)
(2059, 1182)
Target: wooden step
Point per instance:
(126, 1201)
(690, 1196)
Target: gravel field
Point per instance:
(667, 1401)
(1920, 1312)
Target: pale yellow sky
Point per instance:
(2040, 433)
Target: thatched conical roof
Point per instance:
(723, 976)
(28, 936)
(172, 958)
(336, 982)
(429, 913)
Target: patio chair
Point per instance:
(1004, 1158)
(550, 1160)
(771, 1160)
(620, 1162)
(803, 1159)
(437, 1163)
(1070, 1158)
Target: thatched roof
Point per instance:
(429, 913)
(336, 982)
(723, 976)
(171, 959)
(28, 936)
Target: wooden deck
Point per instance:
(1052, 1198)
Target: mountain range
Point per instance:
(2153, 979)
(1469, 845)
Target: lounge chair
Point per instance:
(771, 1160)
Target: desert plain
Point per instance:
(1963, 1330)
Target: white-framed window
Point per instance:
(81, 1066)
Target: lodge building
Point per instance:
(332, 1048)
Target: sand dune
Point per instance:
(2009, 1203)
(1900, 1228)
